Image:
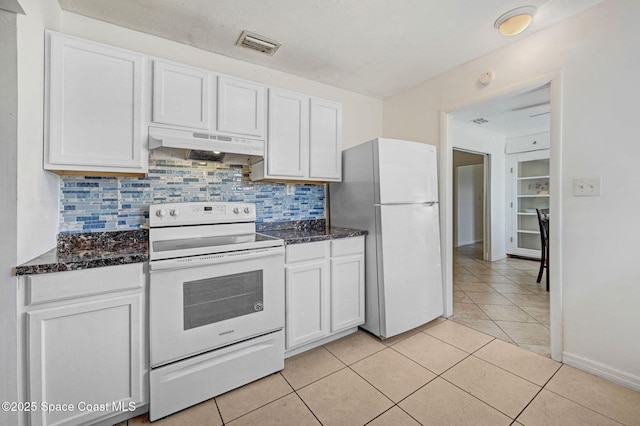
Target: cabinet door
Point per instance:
(347, 292)
(527, 143)
(180, 95)
(529, 189)
(307, 302)
(288, 141)
(241, 107)
(325, 146)
(94, 107)
(86, 353)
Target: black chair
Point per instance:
(543, 222)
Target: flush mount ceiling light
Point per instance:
(258, 43)
(515, 21)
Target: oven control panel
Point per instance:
(200, 213)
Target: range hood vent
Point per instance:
(258, 43)
(208, 147)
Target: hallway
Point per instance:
(501, 298)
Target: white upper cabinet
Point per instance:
(304, 139)
(241, 107)
(94, 107)
(181, 95)
(325, 133)
(534, 142)
(288, 147)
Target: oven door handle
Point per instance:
(213, 259)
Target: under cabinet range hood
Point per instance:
(208, 147)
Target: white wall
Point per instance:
(37, 189)
(8, 211)
(468, 209)
(596, 52)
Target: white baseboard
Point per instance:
(620, 377)
(467, 243)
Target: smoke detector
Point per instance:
(258, 43)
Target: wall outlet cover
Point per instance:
(587, 186)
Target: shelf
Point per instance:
(533, 196)
(526, 214)
(532, 177)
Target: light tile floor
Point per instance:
(501, 298)
(443, 373)
(470, 370)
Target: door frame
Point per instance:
(486, 200)
(555, 202)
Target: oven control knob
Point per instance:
(161, 213)
(247, 210)
(174, 212)
(236, 210)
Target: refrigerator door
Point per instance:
(407, 172)
(409, 272)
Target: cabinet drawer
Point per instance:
(307, 251)
(346, 246)
(86, 282)
(528, 143)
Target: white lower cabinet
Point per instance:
(307, 293)
(347, 293)
(85, 357)
(324, 291)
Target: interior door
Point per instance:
(409, 264)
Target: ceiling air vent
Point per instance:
(257, 42)
(480, 121)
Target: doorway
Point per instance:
(512, 271)
(469, 200)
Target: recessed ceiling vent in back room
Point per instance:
(480, 121)
(258, 43)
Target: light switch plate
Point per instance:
(291, 189)
(587, 186)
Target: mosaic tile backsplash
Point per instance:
(97, 204)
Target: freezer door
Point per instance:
(410, 288)
(407, 172)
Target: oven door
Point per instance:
(205, 302)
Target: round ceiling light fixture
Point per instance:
(515, 21)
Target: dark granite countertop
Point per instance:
(307, 231)
(91, 250)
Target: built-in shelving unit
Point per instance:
(529, 190)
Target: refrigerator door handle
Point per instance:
(426, 203)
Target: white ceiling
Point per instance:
(373, 47)
(512, 115)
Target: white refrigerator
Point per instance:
(390, 188)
